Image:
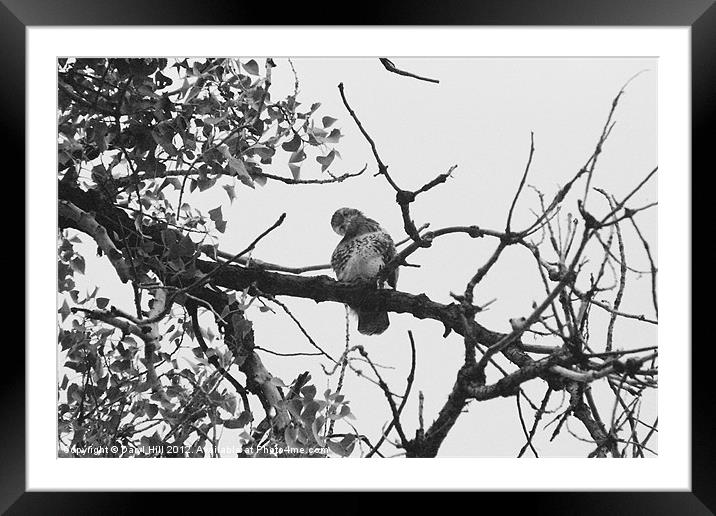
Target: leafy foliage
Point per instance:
(140, 134)
(307, 434)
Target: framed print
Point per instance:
(435, 239)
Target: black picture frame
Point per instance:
(700, 15)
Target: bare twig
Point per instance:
(524, 427)
(248, 249)
(652, 266)
(522, 182)
(388, 396)
(303, 330)
(388, 64)
(538, 417)
(409, 384)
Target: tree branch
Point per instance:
(388, 64)
(88, 224)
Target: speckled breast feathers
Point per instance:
(364, 250)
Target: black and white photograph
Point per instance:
(357, 257)
(437, 236)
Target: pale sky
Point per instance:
(479, 118)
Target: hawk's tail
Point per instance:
(372, 322)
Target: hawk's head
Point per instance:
(342, 218)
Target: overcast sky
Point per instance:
(479, 118)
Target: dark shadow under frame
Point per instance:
(700, 15)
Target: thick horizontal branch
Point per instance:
(324, 288)
(318, 288)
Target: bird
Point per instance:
(517, 323)
(366, 248)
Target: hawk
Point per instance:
(360, 256)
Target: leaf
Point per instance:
(294, 407)
(231, 192)
(247, 181)
(293, 144)
(245, 418)
(64, 310)
(317, 428)
(240, 170)
(252, 67)
(151, 410)
(66, 284)
(309, 392)
(175, 182)
(101, 383)
(213, 120)
(297, 157)
(328, 121)
(162, 80)
(295, 171)
(186, 247)
(209, 250)
(78, 264)
(73, 392)
(302, 436)
(348, 443)
(291, 436)
(310, 408)
(165, 142)
(345, 410)
(337, 448)
(260, 179)
(102, 302)
(216, 215)
(316, 136)
(334, 136)
(228, 403)
(278, 382)
(146, 91)
(326, 160)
